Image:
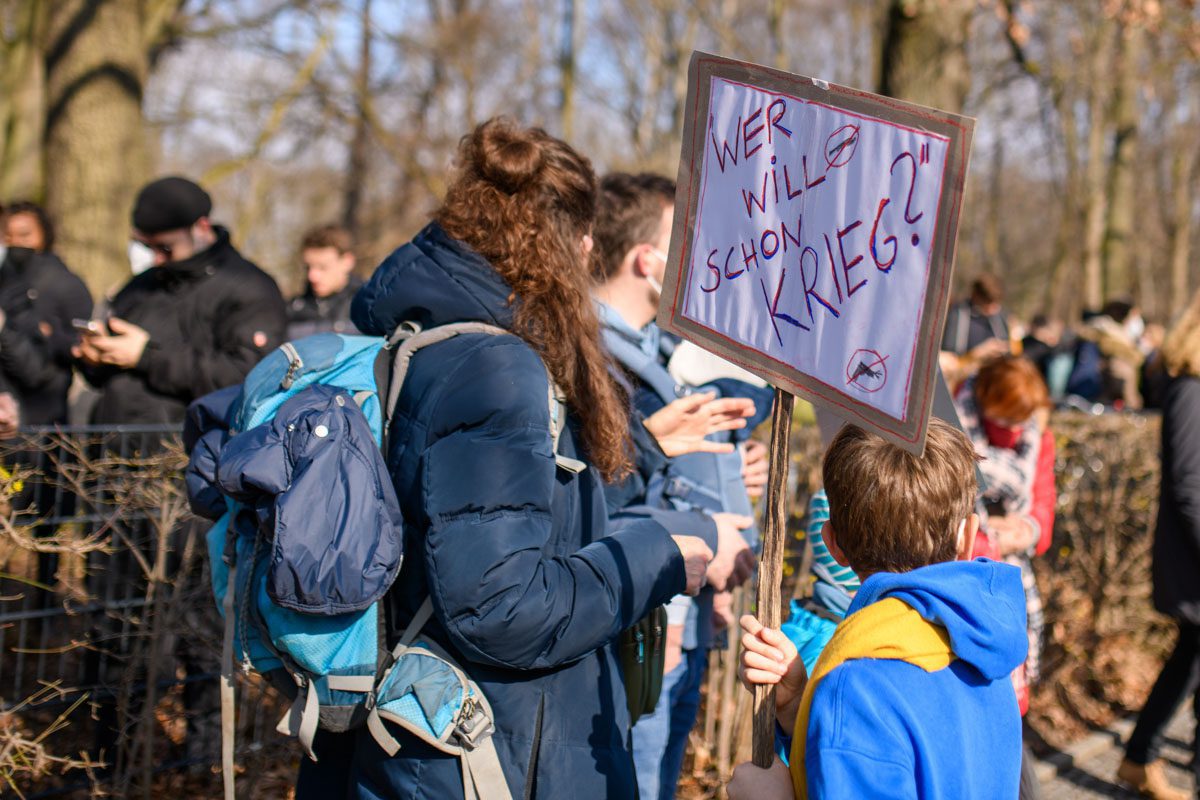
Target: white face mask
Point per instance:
(650, 279)
(1136, 327)
(141, 257)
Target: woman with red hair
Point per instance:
(1005, 411)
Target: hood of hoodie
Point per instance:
(433, 280)
(980, 603)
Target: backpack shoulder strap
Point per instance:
(409, 338)
(644, 365)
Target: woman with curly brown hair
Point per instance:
(530, 586)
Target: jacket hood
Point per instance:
(980, 603)
(433, 280)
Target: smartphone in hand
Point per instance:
(84, 326)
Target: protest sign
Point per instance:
(812, 245)
(814, 239)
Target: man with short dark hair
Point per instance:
(976, 331)
(197, 321)
(329, 261)
(632, 233)
(978, 320)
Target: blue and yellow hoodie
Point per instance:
(912, 697)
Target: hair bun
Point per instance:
(507, 156)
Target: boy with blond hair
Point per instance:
(912, 697)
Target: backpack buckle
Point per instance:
(473, 723)
(405, 330)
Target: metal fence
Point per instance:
(106, 614)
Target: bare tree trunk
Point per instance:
(643, 123)
(1118, 233)
(357, 168)
(991, 232)
(572, 9)
(23, 105)
(96, 66)
(531, 73)
(678, 52)
(1095, 209)
(1065, 301)
(924, 54)
(1183, 178)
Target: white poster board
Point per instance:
(814, 239)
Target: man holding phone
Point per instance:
(197, 321)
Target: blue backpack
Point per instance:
(299, 592)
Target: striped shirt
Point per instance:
(825, 567)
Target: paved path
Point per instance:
(1089, 769)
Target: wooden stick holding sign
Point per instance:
(813, 245)
(770, 570)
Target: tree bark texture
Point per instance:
(357, 163)
(567, 65)
(1183, 178)
(95, 148)
(924, 53)
(1095, 208)
(23, 106)
(1122, 200)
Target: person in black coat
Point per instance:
(39, 298)
(198, 321)
(1176, 560)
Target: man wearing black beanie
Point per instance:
(194, 323)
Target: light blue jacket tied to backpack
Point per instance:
(308, 539)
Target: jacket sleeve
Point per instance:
(1182, 414)
(189, 372)
(27, 359)
(1045, 494)
(38, 359)
(488, 475)
(72, 301)
(648, 459)
(677, 523)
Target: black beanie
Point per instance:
(169, 204)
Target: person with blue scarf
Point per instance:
(632, 233)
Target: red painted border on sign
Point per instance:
(840, 399)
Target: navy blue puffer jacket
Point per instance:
(530, 586)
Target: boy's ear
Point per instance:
(966, 542)
(830, 538)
